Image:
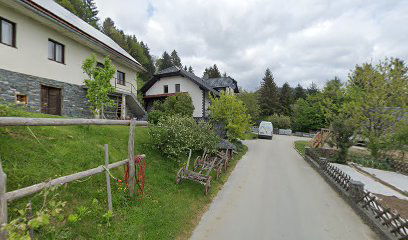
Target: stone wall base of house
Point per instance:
(74, 102)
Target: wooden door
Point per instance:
(50, 100)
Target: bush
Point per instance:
(231, 111)
(342, 132)
(174, 135)
(280, 121)
(180, 104)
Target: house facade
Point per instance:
(42, 47)
(173, 80)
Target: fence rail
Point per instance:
(6, 197)
(386, 217)
(19, 121)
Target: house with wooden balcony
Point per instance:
(42, 47)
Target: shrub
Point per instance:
(180, 104)
(280, 121)
(342, 132)
(231, 111)
(174, 135)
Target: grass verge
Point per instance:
(35, 154)
(301, 145)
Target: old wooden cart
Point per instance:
(200, 173)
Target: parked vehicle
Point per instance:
(265, 130)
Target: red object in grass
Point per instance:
(140, 168)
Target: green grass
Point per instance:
(250, 136)
(300, 146)
(168, 211)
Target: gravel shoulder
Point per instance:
(274, 194)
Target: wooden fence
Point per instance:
(6, 197)
(367, 201)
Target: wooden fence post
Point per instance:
(108, 183)
(131, 152)
(3, 201)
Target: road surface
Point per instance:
(274, 194)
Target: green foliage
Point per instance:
(84, 9)
(333, 98)
(231, 111)
(180, 104)
(174, 135)
(137, 49)
(190, 69)
(312, 89)
(250, 99)
(212, 72)
(27, 220)
(286, 99)
(175, 59)
(280, 121)
(268, 95)
(300, 146)
(376, 100)
(299, 92)
(342, 132)
(307, 114)
(164, 62)
(98, 83)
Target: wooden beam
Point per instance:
(3, 201)
(19, 121)
(108, 183)
(16, 194)
(131, 155)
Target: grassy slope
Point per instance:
(168, 211)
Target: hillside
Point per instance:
(33, 154)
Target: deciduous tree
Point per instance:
(98, 84)
(231, 111)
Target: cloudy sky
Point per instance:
(301, 41)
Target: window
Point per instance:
(177, 87)
(7, 32)
(55, 51)
(121, 78)
(21, 99)
(166, 88)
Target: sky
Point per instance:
(301, 41)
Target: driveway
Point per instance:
(274, 194)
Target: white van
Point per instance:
(265, 130)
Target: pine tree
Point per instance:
(299, 92)
(185, 68)
(164, 62)
(286, 99)
(190, 69)
(312, 89)
(84, 9)
(212, 72)
(175, 59)
(268, 95)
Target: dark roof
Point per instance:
(175, 71)
(223, 82)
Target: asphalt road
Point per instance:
(274, 194)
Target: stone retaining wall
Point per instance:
(74, 102)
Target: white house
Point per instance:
(173, 80)
(42, 49)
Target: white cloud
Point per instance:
(301, 41)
